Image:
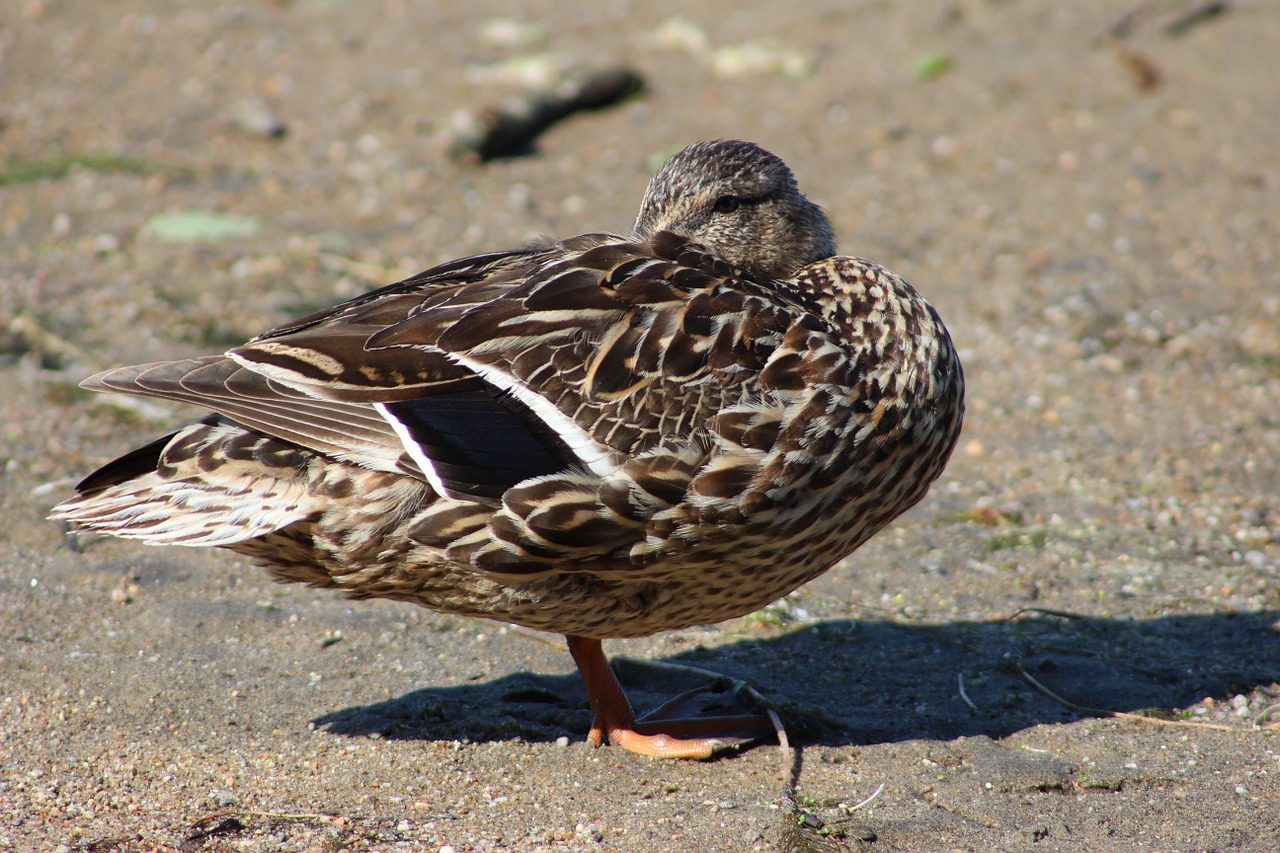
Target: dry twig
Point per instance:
(963, 695)
(1122, 715)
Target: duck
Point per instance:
(601, 437)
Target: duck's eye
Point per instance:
(727, 204)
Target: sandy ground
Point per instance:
(1089, 200)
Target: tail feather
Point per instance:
(172, 493)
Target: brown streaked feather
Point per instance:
(445, 276)
(261, 485)
(343, 430)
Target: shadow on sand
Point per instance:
(848, 681)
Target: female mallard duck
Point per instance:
(600, 437)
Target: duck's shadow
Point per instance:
(846, 681)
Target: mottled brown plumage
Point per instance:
(601, 437)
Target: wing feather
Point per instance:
(565, 400)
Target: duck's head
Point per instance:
(742, 203)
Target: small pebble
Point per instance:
(588, 831)
(681, 34)
(740, 60)
(256, 117)
(562, 741)
(511, 32)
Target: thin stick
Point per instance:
(1196, 15)
(877, 792)
(323, 818)
(963, 695)
(1102, 712)
(1266, 712)
(1061, 614)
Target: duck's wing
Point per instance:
(649, 364)
(326, 388)
(581, 387)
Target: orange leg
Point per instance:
(674, 737)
